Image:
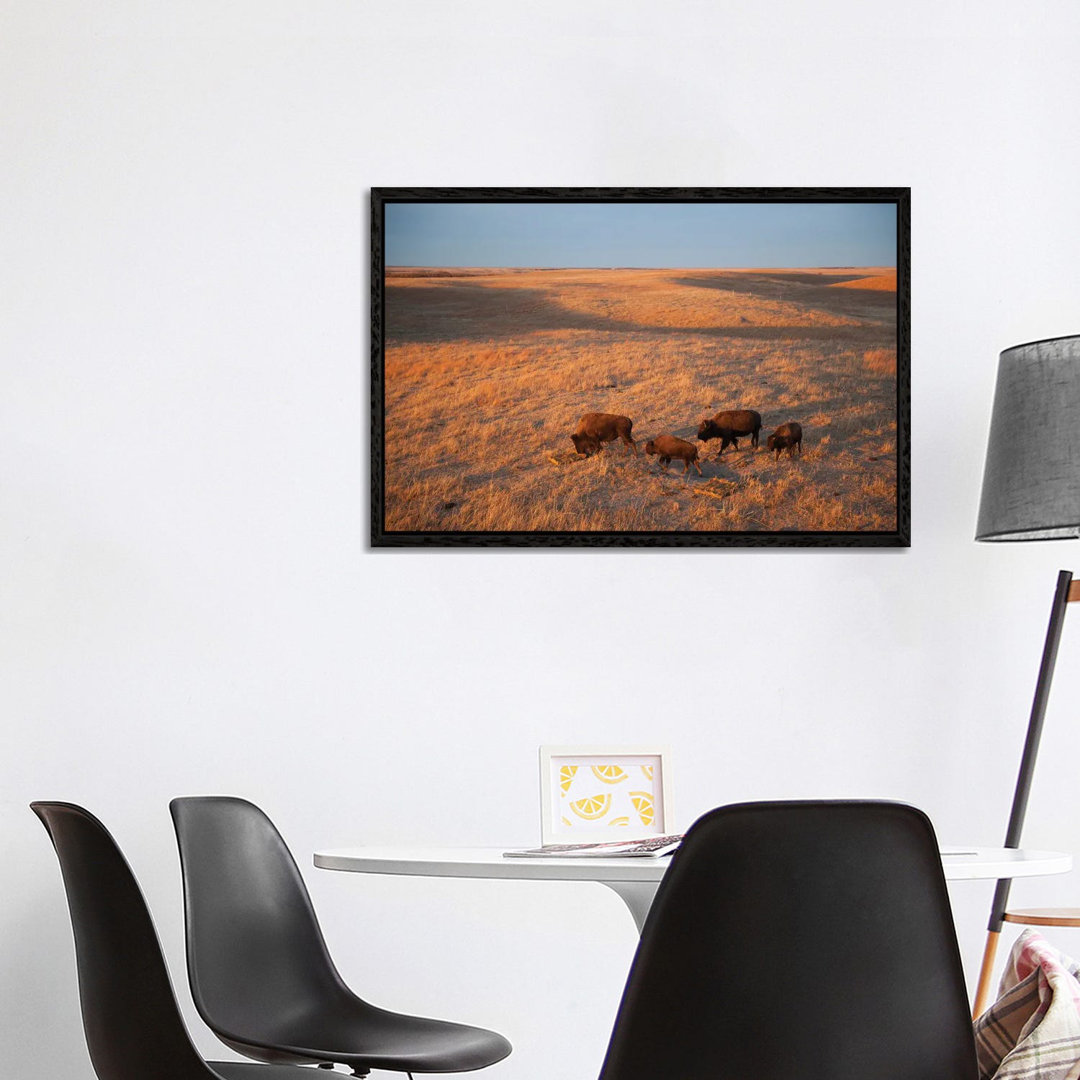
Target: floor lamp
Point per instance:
(1031, 491)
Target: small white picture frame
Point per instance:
(596, 793)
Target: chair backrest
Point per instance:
(132, 1022)
(798, 941)
(255, 952)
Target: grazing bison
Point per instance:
(726, 426)
(596, 428)
(586, 444)
(786, 437)
(668, 447)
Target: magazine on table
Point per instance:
(649, 847)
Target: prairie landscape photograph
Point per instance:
(710, 371)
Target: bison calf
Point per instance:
(668, 447)
(596, 428)
(726, 426)
(786, 437)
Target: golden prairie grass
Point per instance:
(880, 361)
(487, 373)
(884, 281)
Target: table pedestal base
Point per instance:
(637, 896)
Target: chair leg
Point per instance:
(987, 970)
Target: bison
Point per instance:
(586, 444)
(786, 437)
(727, 426)
(668, 447)
(596, 428)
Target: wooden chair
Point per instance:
(1067, 592)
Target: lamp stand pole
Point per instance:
(1063, 594)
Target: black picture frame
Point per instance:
(442, 532)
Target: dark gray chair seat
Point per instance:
(245, 1070)
(260, 973)
(352, 1032)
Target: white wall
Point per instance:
(187, 604)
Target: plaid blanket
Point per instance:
(1032, 1031)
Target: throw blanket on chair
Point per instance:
(1032, 1031)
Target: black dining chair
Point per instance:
(259, 969)
(133, 1026)
(798, 941)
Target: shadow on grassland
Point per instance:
(460, 311)
(806, 290)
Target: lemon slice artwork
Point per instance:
(643, 804)
(647, 771)
(609, 774)
(592, 808)
(566, 777)
(624, 820)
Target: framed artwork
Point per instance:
(597, 793)
(653, 367)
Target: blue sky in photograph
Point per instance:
(683, 235)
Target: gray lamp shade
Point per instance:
(1031, 485)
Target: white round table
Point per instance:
(636, 879)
